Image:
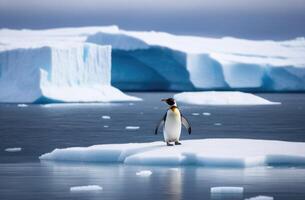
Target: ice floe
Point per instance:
(201, 152)
(86, 188)
(221, 98)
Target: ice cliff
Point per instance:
(56, 71)
(77, 64)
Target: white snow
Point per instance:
(14, 149)
(86, 188)
(106, 117)
(260, 198)
(221, 98)
(144, 173)
(22, 105)
(202, 152)
(132, 127)
(206, 114)
(225, 189)
(56, 61)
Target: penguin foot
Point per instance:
(169, 144)
(177, 143)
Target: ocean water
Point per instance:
(38, 129)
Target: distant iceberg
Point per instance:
(201, 152)
(221, 98)
(162, 61)
(63, 60)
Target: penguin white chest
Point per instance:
(172, 127)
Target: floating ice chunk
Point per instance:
(22, 105)
(86, 188)
(260, 198)
(217, 124)
(106, 117)
(221, 193)
(131, 104)
(132, 127)
(106, 126)
(201, 152)
(14, 149)
(144, 173)
(227, 190)
(221, 98)
(195, 114)
(206, 114)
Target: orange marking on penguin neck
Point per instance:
(174, 108)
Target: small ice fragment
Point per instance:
(206, 114)
(131, 104)
(218, 193)
(260, 198)
(227, 190)
(195, 114)
(86, 188)
(217, 124)
(106, 126)
(15, 149)
(22, 105)
(132, 127)
(144, 173)
(106, 117)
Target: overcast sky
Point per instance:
(260, 19)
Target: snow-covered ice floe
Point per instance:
(202, 152)
(13, 149)
(221, 98)
(86, 188)
(260, 198)
(144, 173)
(60, 62)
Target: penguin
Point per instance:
(172, 121)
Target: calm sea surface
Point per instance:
(38, 129)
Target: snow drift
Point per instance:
(221, 98)
(203, 152)
(72, 73)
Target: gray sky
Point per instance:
(260, 19)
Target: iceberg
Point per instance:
(201, 152)
(58, 73)
(148, 60)
(221, 98)
(162, 61)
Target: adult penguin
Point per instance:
(172, 121)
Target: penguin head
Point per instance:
(170, 101)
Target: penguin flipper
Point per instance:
(160, 124)
(186, 124)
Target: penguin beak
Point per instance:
(163, 99)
